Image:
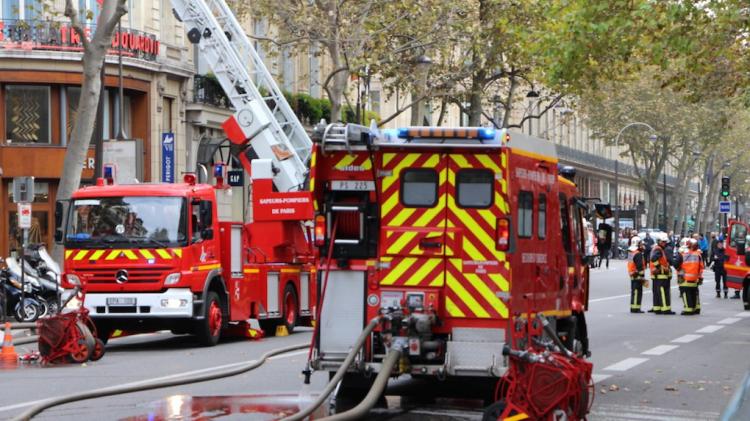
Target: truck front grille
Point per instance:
(151, 275)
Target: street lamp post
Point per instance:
(617, 174)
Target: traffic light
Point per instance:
(724, 186)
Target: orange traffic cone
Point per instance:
(8, 355)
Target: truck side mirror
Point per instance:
(206, 213)
(59, 212)
(207, 234)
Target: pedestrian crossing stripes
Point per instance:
(615, 412)
(729, 320)
(686, 339)
(660, 350)
(709, 329)
(626, 364)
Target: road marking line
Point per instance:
(686, 339)
(614, 297)
(626, 364)
(729, 321)
(600, 377)
(171, 376)
(709, 329)
(660, 350)
(743, 314)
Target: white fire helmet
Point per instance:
(634, 243)
(662, 236)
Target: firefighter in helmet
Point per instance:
(661, 275)
(637, 271)
(692, 267)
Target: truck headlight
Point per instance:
(172, 278)
(173, 302)
(73, 279)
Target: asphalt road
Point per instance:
(647, 367)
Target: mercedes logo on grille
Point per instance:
(121, 276)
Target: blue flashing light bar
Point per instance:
(479, 133)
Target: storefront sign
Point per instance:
(236, 178)
(167, 157)
(46, 35)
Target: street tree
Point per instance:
(682, 128)
(92, 60)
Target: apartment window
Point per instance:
(88, 9)
(71, 96)
(27, 113)
(375, 102)
(11, 9)
(525, 214)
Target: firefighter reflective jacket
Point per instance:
(692, 265)
(635, 265)
(659, 264)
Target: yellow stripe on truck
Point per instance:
(465, 296)
(80, 255)
(146, 254)
(68, 253)
(97, 254)
(112, 255)
(163, 253)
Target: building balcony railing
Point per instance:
(206, 90)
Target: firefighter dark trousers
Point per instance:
(636, 295)
(721, 281)
(662, 294)
(689, 295)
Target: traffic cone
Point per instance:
(8, 355)
(282, 331)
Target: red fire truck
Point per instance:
(445, 234)
(738, 259)
(156, 256)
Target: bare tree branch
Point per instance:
(71, 12)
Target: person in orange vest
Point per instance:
(637, 272)
(692, 266)
(661, 275)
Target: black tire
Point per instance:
(207, 331)
(269, 327)
(290, 299)
(494, 411)
(99, 350)
(33, 311)
(103, 331)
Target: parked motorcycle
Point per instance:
(41, 286)
(27, 309)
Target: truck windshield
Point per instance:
(127, 221)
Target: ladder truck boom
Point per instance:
(262, 120)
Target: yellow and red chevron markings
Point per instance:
(466, 235)
(129, 254)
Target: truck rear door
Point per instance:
(413, 240)
(477, 273)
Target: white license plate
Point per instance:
(353, 185)
(120, 301)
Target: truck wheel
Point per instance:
(291, 308)
(209, 328)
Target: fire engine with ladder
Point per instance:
(463, 250)
(155, 256)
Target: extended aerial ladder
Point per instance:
(263, 120)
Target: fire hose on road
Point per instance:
(148, 385)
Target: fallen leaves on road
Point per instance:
(614, 388)
(603, 391)
(671, 388)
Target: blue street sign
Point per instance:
(725, 207)
(167, 157)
